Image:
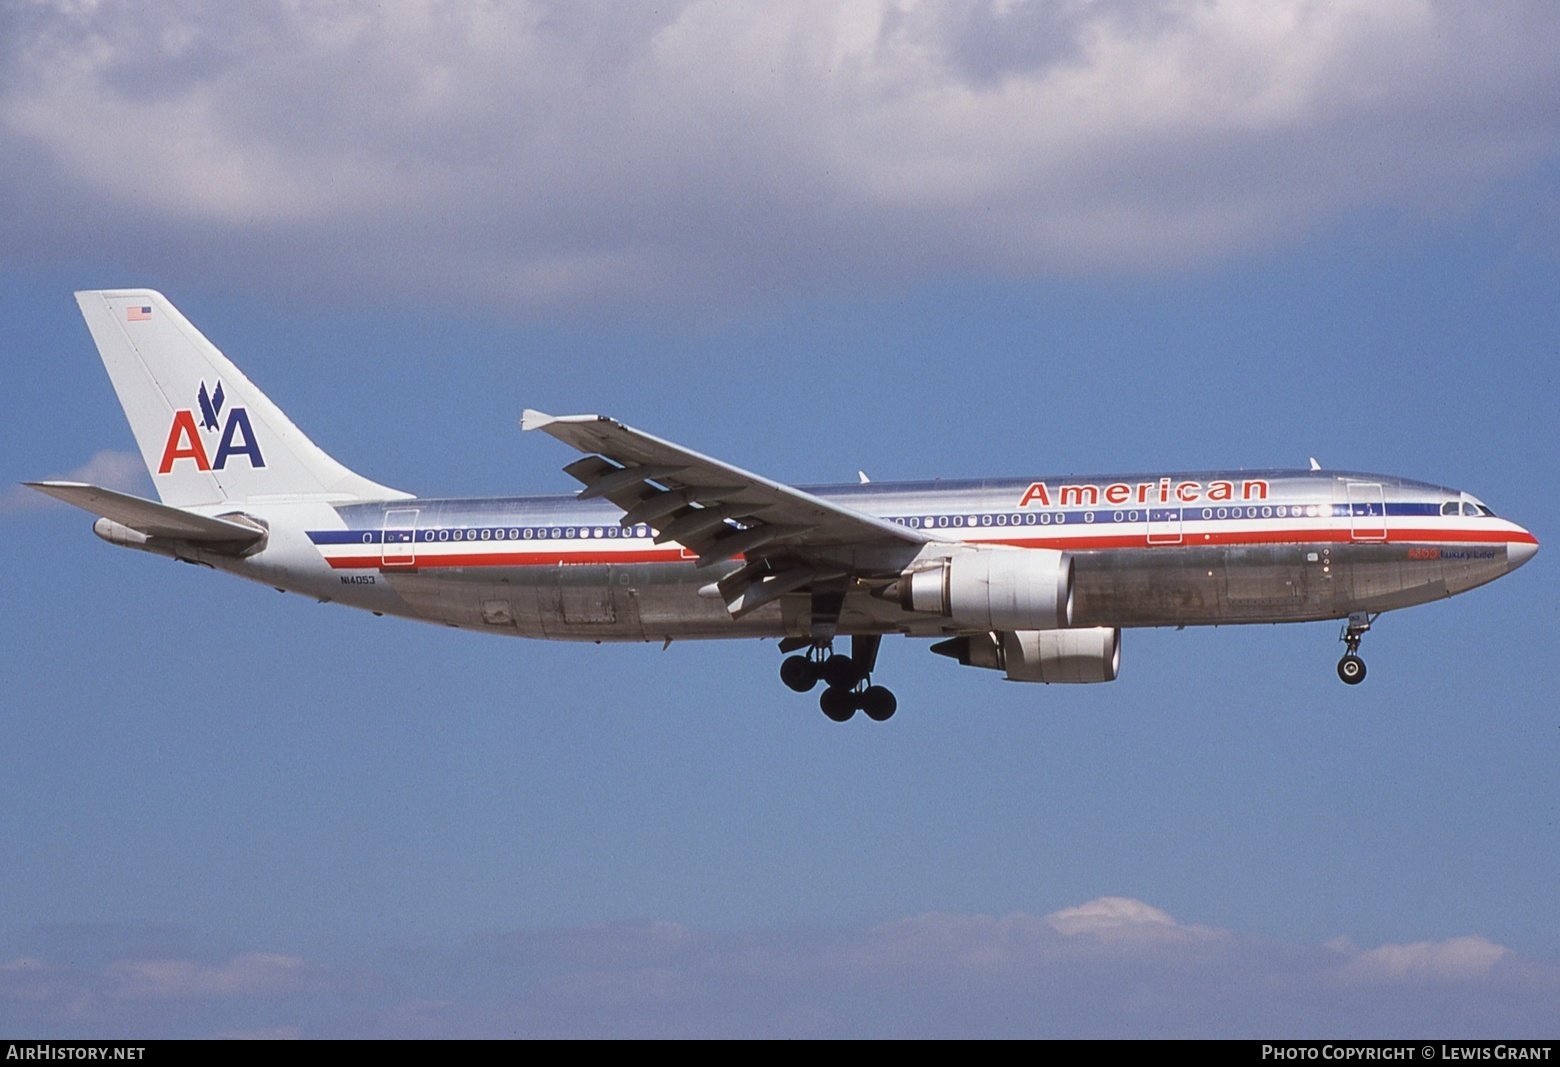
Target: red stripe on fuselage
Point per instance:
(431, 558)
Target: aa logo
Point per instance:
(185, 441)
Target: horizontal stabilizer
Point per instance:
(149, 517)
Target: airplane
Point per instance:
(1032, 577)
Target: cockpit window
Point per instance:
(1486, 512)
(1449, 508)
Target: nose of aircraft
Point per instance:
(1519, 552)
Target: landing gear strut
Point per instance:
(847, 679)
(1351, 668)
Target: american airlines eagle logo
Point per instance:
(185, 440)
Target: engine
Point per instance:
(1092, 655)
(998, 588)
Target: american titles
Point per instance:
(1164, 491)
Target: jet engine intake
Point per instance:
(1054, 656)
(998, 588)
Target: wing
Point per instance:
(789, 539)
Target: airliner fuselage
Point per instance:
(1282, 546)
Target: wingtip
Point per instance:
(531, 419)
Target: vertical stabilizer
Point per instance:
(206, 433)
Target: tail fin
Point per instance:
(206, 433)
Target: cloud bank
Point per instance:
(1109, 967)
(565, 152)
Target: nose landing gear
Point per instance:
(1351, 668)
(847, 679)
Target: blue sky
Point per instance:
(923, 240)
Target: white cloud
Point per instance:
(983, 942)
(1457, 958)
(123, 471)
(549, 151)
(1122, 919)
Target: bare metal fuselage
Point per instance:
(1197, 549)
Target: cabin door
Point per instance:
(398, 546)
(1367, 512)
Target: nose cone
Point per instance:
(1519, 552)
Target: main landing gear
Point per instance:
(847, 679)
(1351, 668)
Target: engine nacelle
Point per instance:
(999, 588)
(1056, 656)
